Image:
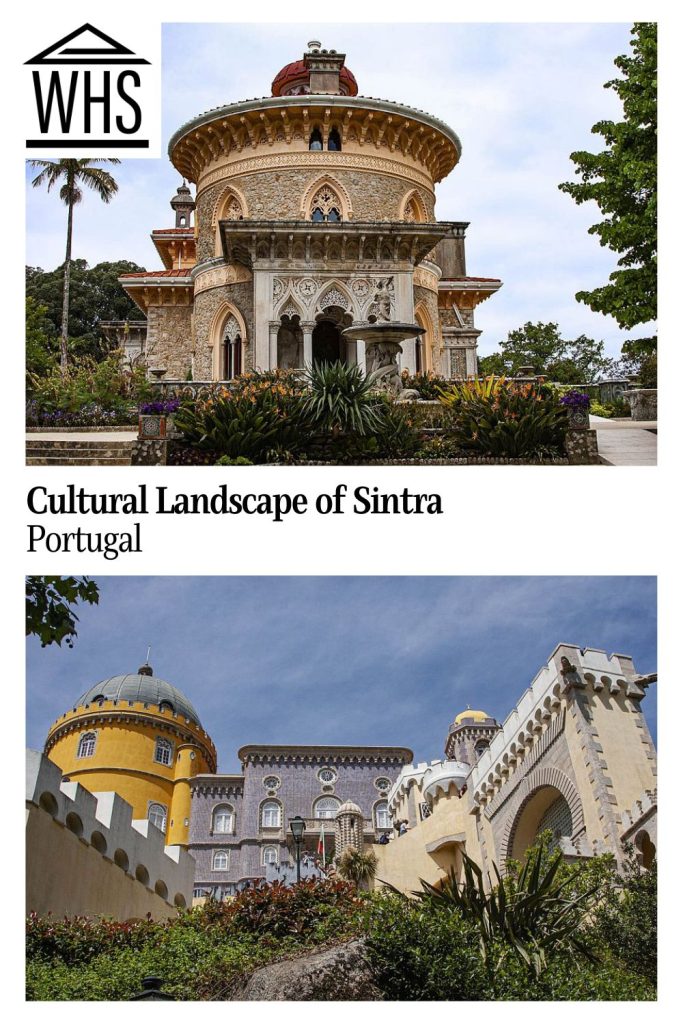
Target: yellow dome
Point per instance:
(478, 716)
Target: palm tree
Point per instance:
(73, 174)
(357, 866)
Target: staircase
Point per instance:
(78, 452)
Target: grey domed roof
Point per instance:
(141, 686)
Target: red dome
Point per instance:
(297, 73)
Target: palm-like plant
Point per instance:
(357, 866)
(535, 914)
(72, 174)
(341, 399)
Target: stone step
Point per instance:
(94, 446)
(78, 452)
(75, 460)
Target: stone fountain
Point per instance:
(383, 338)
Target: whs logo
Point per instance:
(90, 92)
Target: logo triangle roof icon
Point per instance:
(79, 47)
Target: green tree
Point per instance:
(622, 180)
(578, 361)
(94, 295)
(40, 348)
(73, 174)
(50, 604)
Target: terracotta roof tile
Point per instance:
(159, 273)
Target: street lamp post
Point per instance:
(297, 827)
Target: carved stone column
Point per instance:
(307, 328)
(273, 328)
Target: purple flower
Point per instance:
(575, 400)
(163, 407)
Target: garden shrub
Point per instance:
(252, 426)
(201, 954)
(428, 385)
(610, 409)
(505, 420)
(88, 390)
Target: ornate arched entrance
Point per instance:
(290, 343)
(328, 344)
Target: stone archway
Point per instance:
(538, 793)
(328, 344)
(290, 343)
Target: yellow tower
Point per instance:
(140, 737)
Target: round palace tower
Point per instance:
(313, 206)
(142, 738)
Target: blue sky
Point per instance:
(521, 97)
(340, 660)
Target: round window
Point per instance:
(383, 785)
(271, 782)
(327, 775)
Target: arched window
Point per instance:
(382, 817)
(419, 360)
(271, 855)
(221, 860)
(334, 141)
(86, 744)
(165, 705)
(163, 751)
(232, 349)
(157, 815)
(224, 819)
(326, 205)
(316, 140)
(271, 814)
(327, 807)
(480, 747)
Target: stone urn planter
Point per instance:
(576, 405)
(152, 427)
(643, 402)
(578, 418)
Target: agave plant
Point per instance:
(357, 866)
(341, 399)
(535, 914)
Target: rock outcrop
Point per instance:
(342, 973)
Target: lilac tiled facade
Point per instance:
(246, 817)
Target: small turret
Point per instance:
(470, 735)
(184, 205)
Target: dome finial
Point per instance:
(146, 669)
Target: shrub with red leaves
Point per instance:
(279, 910)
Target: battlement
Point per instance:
(104, 823)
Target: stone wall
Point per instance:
(428, 298)
(207, 303)
(277, 194)
(169, 340)
(297, 791)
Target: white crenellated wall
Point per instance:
(87, 855)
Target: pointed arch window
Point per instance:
(163, 751)
(271, 814)
(271, 855)
(382, 817)
(157, 816)
(232, 349)
(326, 205)
(221, 860)
(315, 141)
(86, 744)
(224, 819)
(334, 141)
